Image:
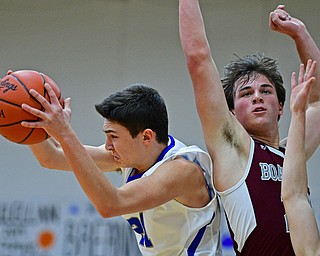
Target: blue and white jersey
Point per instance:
(172, 228)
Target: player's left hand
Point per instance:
(55, 119)
(281, 21)
(300, 89)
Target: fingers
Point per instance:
(293, 80)
(301, 74)
(34, 111)
(305, 78)
(48, 107)
(280, 7)
(279, 14)
(51, 93)
(306, 73)
(67, 104)
(311, 66)
(42, 100)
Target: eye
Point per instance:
(266, 92)
(245, 94)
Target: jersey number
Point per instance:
(138, 226)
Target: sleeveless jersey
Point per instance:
(172, 228)
(254, 209)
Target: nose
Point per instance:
(257, 97)
(108, 145)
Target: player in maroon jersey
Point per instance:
(241, 130)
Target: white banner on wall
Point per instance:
(32, 228)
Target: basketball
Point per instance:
(14, 90)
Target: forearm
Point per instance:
(202, 69)
(101, 192)
(192, 31)
(294, 183)
(304, 233)
(307, 49)
(312, 129)
(50, 155)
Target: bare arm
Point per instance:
(216, 120)
(282, 22)
(303, 227)
(50, 155)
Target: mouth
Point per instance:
(259, 109)
(116, 158)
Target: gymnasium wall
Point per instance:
(92, 48)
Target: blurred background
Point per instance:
(92, 48)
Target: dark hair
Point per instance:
(251, 66)
(137, 108)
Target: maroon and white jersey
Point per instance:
(254, 208)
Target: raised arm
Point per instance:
(207, 87)
(281, 21)
(303, 227)
(222, 132)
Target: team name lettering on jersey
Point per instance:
(270, 171)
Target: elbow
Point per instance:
(103, 213)
(52, 165)
(196, 58)
(46, 164)
(286, 196)
(292, 196)
(106, 211)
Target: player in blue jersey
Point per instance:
(168, 196)
(239, 118)
(304, 232)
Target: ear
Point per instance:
(148, 135)
(280, 109)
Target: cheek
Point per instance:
(240, 109)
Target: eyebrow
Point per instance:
(109, 131)
(245, 87)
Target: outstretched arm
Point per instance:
(281, 21)
(303, 227)
(220, 128)
(203, 71)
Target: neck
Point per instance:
(273, 142)
(150, 157)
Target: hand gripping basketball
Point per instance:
(14, 91)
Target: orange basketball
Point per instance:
(14, 90)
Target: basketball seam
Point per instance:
(45, 91)
(25, 87)
(11, 103)
(26, 137)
